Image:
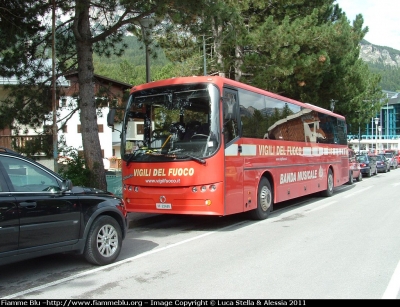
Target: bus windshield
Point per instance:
(172, 123)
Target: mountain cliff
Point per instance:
(384, 61)
(379, 55)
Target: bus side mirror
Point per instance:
(110, 118)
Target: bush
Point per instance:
(75, 168)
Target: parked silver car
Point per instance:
(392, 160)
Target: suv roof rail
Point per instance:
(5, 149)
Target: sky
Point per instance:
(380, 18)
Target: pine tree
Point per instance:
(86, 27)
(305, 50)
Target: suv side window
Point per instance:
(2, 183)
(26, 177)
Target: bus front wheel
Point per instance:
(264, 200)
(329, 190)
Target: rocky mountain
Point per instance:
(384, 61)
(379, 55)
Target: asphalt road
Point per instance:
(343, 247)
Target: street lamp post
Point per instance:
(359, 137)
(53, 87)
(387, 121)
(204, 56)
(372, 128)
(359, 131)
(387, 125)
(376, 131)
(146, 24)
(380, 136)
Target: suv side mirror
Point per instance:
(66, 185)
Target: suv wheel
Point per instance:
(369, 174)
(104, 241)
(351, 178)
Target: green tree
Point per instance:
(390, 80)
(86, 27)
(19, 28)
(75, 168)
(308, 51)
(305, 50)
(19, 25)
(215, 29)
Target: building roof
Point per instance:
(63, 80)
(74, 74)
(395, 99)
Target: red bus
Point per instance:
(213, 146)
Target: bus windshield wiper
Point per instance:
(130, 158)
(182, 156)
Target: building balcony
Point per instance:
(40, 145)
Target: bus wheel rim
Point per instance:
(265, 199)
(330, 182)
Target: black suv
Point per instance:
(42, 213)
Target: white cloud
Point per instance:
(380, 18)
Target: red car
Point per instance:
(398, 159)
(354, 168)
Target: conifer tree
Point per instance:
(305, 50)
(309, 51)
(85, 27)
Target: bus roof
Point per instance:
(222, 81)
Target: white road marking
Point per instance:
(322, 206)
(357, 192)
(391, 292)
(57, 282)
(394, 285)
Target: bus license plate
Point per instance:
(163, 206)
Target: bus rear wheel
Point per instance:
(329, 189)
(264, 200)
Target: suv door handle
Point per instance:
(28, 204)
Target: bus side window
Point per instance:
(230, 105)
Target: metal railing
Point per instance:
(20, 142)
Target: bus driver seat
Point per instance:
(192, 128)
